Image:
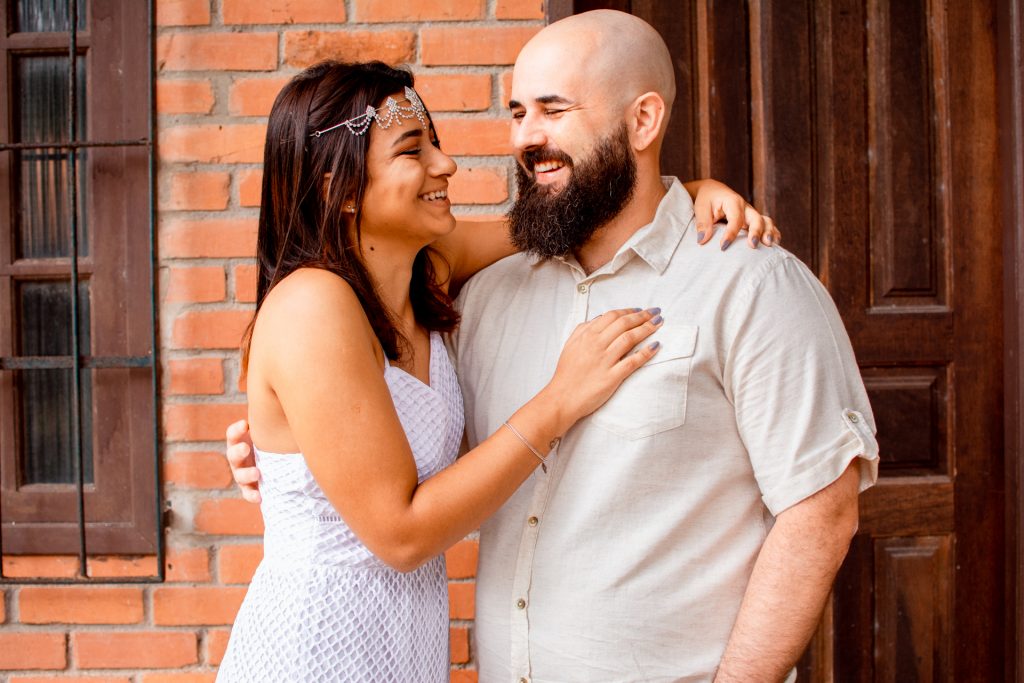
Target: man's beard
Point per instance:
(549, 222)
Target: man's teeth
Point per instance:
(548, 166)
(431, 196)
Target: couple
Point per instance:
(685, 525)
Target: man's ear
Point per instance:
(645, 118)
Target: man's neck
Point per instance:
(640, 211)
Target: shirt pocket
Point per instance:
(653, 399)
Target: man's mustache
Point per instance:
(537, 156)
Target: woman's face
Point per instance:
(406, 197)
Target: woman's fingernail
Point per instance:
(769, 240)
(700, 235)
(725, 244)
(657, 321)
(653, 345)
(654, 311)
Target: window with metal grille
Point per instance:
(78, 419)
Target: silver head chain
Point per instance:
(392, 112)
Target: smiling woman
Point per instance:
(413, 203)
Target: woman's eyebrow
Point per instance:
(414, 133)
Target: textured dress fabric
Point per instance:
(321, 606)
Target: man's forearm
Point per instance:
(790, 583)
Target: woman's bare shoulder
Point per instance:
(313, 301)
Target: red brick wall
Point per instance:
(220, 63)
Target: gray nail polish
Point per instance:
(654, 311)
(700, 235)
(658, 320)
(725, 244)
(769, 240)
(654, 345)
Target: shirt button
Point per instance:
(582, 289)
(520, 603)
(532, 521)
(852, 416)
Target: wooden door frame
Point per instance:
(1010, 79)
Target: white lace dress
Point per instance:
(321, 607)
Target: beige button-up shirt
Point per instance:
(628, 560)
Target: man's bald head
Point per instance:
(607, 52)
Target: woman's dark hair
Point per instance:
(307, 181)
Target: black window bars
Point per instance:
(78, 361)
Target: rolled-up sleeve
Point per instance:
(800, 403)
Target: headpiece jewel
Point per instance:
(393, 111)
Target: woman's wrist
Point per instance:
(553, 409)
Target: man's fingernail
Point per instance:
(700, 235)
(725, 244)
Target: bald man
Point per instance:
(691, 528)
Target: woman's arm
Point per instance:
(475, 244)
(316, 354)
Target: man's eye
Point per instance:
(553, 112)
(518, 115)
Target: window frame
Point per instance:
(118, 514)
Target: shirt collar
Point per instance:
(655, 242)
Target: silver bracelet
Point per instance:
(543, 460)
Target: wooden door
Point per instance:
(867, 130)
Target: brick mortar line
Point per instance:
(180, 262)
(200, 399)
(229, 212)
(230, 306)
(223, 355)
(349, 25)
(200, 445)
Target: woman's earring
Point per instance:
(350, 209)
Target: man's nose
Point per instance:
(527, 135)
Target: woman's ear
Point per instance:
(349, 206)
(646, 116)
